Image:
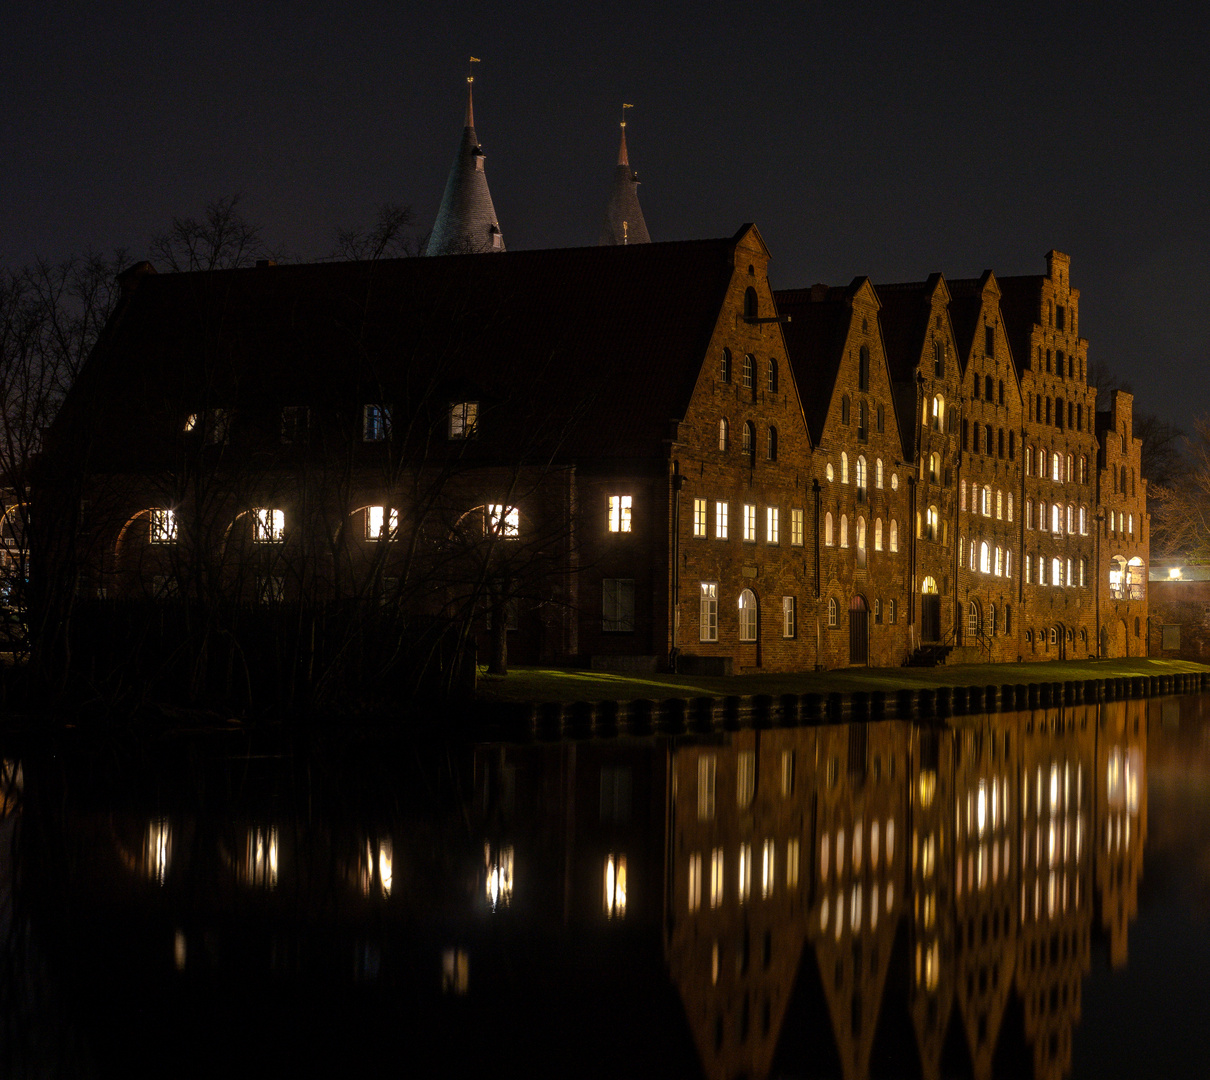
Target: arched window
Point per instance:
(827, 529)
(725, 367)
(772, 376)
(972, 619)
(1070, 471)
(860, 541)
(863, 368)
(1135, 578)
(1056, 519)
(829, 472)
(832, 611)
(844, 530)
(999, 561)
(1008, 568)
(749, 371)
(1054, 467)
(934, 468)
(844, 409)
(878, 472)
(938, 413)
(985, 558)
(894, 535)
(747, 616)
(1029, 513)
(1029, 461)
(1056, 571)
(987, 501)
(723, 434)
(772, 448)
(878, 534)
(962, 495)
(844, 467)
(750, 305)
(999, 504)
(938, 359)
(749, 441)
(932, 522)
(861, 478)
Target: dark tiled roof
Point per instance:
(966, 302)
(466, 220)
(597, 348)
(904, 316)
(815, 337)
(1020, 303)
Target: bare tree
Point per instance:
(1180, 508)
(221, 239)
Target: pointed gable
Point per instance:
(624, 223)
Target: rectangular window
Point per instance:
(720, 520)
(695, 881)
(699, 517)
(381, 525)
(787, 616)
(773, 525)
(796, 528)
(707, 775)
(503, 521)
(619, 513)
(163, 527)
(268, 526)
(708, 614)
(295, 420)
(617, 605)
(750, 522)
(464, 415)
(375, 423)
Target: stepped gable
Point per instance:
(466, 221)
(624, 222)
(815, 337)
(601, 347)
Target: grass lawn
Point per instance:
(525, 684)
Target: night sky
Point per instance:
(890, 140)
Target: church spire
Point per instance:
(466, 221)
(624, 222)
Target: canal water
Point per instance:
(1023, 894)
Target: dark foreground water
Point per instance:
(1028, 895)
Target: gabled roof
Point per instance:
(1021, 305)
(815, 337)
(966, 304)
(904, 315)
(598, 348)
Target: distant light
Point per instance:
(1174, 573)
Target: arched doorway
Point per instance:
(930, 611)
(859, 631)
(1057, 640)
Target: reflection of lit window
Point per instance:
(890, 839)
(695, 881)
(823, 915)
(928, 786)
(163, 527)
(745, 783)
(855, 909)
(706, 771)
(857, 853)
(615, 886)
(180, 950)
(158, 852)
(1113, 778)
(268, 526)
(745, 871)
(498, 879)
(260, 869)
(874, 853)
(1132, 781)
(716, 877)
(377, 866)
(1054, 787)
(792, 863)
(824, 846)
(767, 870)
(981, 808)
(787, 772)
(455, 971)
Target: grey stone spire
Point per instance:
(624, 222)
(466, 221)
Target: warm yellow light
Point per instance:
(615, 886)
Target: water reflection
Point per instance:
(844, 900)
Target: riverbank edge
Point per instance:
(706, 714)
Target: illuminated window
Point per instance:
(749, 371)
(1056, 519)
(938, 413)
(890, 611)
(999, 505)
(772, 525)
(619, 513)
(747, 616)
(380, 525)
(1083, 521)
(827, 529)
(464, 416)
(1056, 577)
(844, 531)
(750, 522)
(745, 872)
(720, 520)
(796, 528)
(615, 886)
(985, 564)
(617, 605)
(699, 517)
(844, 467)
(717, 869)
(163, 527)
(695, 881)
(787, 617)
(861, 548)
(894, 535)
(878, 534)
(861, 478)
(932, 522)
(504, 521)
(1055, 467)
(767, 869)
(724, 438)
(708, 612)
(268, 526)
(724, 373)
(999, 561)
(375, 423)
(707, 774)
(832, 612)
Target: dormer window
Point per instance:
(464, 415)
(375, 423)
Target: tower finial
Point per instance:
(470, 82)
(623, 157)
